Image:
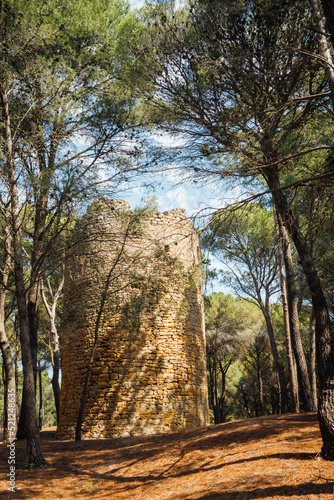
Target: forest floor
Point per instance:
(274, 457)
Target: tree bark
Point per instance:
(10, 425)
(41, 407)
(292, 368)
(302, 370)
(313, 372)
(216, 409)
(328, 8)
(35, 456)
(283, 396)
(55, 342)
(246, 405)
(324, 353)
(210, 384)
(223, 370)
(324, 44)
(265, 309)
(37, 254)
(260, 381)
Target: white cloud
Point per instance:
(136, 4)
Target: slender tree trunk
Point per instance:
(302, 370)
(17, 354)
(324, 43)
(292, 368)
(283, 394)
(55, 381)
(222, 398)
(224, 370)
(313, 372)
(210, 382)
(324, 353)
(32, 308)
(37, 255)
(325, 367)
(244, 396)
(41, 406)
(216, 394)
(278, 365)
(96, 335)
(35, 455)
(260, 381)
(329, 15)
(10, 423)
(55, 343)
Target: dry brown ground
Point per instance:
(268, 458)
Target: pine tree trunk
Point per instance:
(313, 360)
(324, 354)
(302, 370)
(216, 405)
(292, 368)
(9, 425)
(55, 381)
(260, 381)
(325, 48)
(37, 253)
(35, 456)
(41, 406)
(283, 393)
(329, 15)
(32, 308)
(210, 382)
(55, 341)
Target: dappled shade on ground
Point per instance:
(265, 458)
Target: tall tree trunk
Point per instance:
(35, 455)
(55, 343)
(10, 410)
(216, 410)
(260, 381)
(55, 381)
(278, 365)
(17, 355)
(325, 48)
(32, 309)
(210, 382)
(313, 372)
(224, 370)
(302, 370)
(41, 406)
(283, 393)
(325, 365)
(222, 398)
(246, 405)
(37, 254)
(292, 368)
(328, 7)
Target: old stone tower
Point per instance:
(133, 288)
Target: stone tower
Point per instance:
(133, 289)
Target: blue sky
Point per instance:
(136, 3)
(193, 198)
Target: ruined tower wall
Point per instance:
(149, 370)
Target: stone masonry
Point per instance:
(133, 288)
